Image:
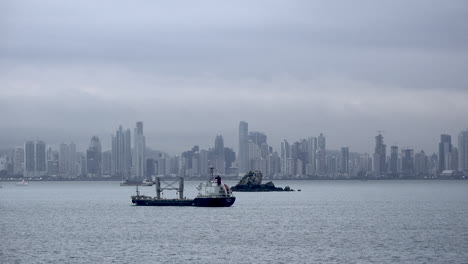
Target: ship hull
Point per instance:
(161, 202)
(199, 202)
(214, 202)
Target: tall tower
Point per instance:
(93, 157)
(29, 159)
(380, 156)
(321, 155)
(393, 167)
(18, 161)
(72, 170)
(243, 147)
(445, 148)
(139, 156)
(344, 162)
(463, 151)
(219, 154)
(41, 162)
(121, 153)
(63, 159)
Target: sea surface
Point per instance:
(327, 222)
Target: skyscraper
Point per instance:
(407, 162)
(380, 156)
(219, 155)
(463, 151)
(321, 156)
(421, 164)
(63, 159)
(311, 155)
(18, 161)
(243, 147)
(344, 161)
(72, 161)
(41, 162)
(393, 166)
(93, 158)
(445, 147)
(139, 156)
(121, 153)
(35, 163)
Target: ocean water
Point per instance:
(327, 222)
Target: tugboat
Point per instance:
(210, 194)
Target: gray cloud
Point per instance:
(194, 69)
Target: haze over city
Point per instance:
(193, 70)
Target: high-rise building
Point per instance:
(63, 159)
(35, 163)
(463, 151)
(230, 157)
(139, 155)
(93, 158)
(203, 162)
(41, 162)
(121, 153)
(393, 166)
(454, 159)
(18, 161)
(421, 164)
(344, 161)
(72, 161)
(285, 166)
(311, 155)
(106, 163)
(219, 155)
(407, 162)
(445, 147)
(380, 157)
(243, 158)
(321, 156)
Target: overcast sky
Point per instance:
(193, 69)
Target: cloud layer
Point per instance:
(190, 70)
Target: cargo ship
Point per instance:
(213, 193)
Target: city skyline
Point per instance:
(304, 158)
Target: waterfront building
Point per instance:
(94, 158)
(139, 156)
(311, 156)
(463, 150)
(121, 153)
(393, 163)
(243, 158)
(344, 161)
(63, 159)
(445, 148)
(407, 162)
(18, 161)
(219, 158)
(379, 157)
(106, 163)
(72, 164)
(421, 164)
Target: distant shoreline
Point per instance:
(198, 179)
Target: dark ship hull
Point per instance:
(214, 202)
(200, 202)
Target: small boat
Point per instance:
(129, 182)
(22, 183)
